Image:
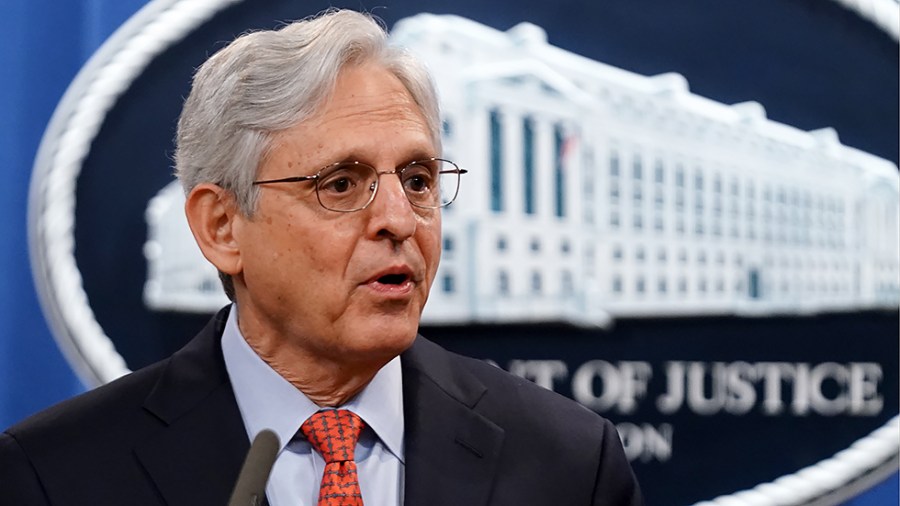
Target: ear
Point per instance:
(212, 214)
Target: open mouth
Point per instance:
(393, 279)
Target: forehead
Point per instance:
(370, 114)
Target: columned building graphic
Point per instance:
(596, 193)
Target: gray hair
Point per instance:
(267, 81)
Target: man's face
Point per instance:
(347, 287)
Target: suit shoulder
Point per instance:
(539, 426)
(510, 396)
(107, 405)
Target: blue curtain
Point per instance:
(45, 44)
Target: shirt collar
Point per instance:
(267, 401)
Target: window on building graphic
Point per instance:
(639, 254)
(679, 176)
(658, 223)
(614, 219)
(614, 191)
(640, 285)
(682, 285)
(617, 284)
(501, 243)
(614, 164)
(682, 256)
(637, 168)
(661, 255)
(701, 285)
(535, 245)
(701, 258)
(503, 283)
(568, 285)
(617, 252)
(588, 172)
(638, 221)
(448, 244)
(536, 282)
(447, 128)
(209, 286)
(659, 172)
(565, 247)
(496, 161)
(698, 181)
(661, 285)
(448, 283)
(528, 161)
(560, 148)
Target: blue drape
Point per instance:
(45, 43)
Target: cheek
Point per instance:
(328, 250)
(430, 242)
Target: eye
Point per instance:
(339, 185)
(418, 178)
(342, 179)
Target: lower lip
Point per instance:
(391, 291)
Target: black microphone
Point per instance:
(250, 488)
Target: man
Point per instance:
(310, 158)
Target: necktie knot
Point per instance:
(333, 433)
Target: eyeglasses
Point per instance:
(351, 186)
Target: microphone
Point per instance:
(250, 488)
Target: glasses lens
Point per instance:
(346, 187)
(431, 183)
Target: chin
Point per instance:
(388, 337)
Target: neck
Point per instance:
(325, 382)
(329, 378)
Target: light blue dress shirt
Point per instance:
(268, 401)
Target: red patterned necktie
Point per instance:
(333, 433)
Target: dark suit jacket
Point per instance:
(172, 434)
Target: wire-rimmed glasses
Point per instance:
(351, 186)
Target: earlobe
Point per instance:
(211, 213)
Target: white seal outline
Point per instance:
(76, 122)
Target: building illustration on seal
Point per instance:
(595, 193)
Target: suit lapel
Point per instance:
(450, 448)
(196, 458)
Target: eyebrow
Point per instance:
(416, 156)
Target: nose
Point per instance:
(390, 214)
